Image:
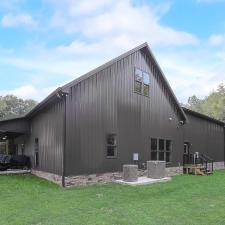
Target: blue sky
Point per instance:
(46, 43)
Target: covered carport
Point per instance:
(13, 135)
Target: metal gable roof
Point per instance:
(104, 66)
(66, 87)
(167, 83)
(203, 116)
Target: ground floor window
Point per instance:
(161, 149)
(111, 146)
(36, 152)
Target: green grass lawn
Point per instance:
(26, 200)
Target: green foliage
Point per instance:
(212, 105)
(186, 200)
(11, 106)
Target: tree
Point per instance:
(11, 106)
(194, 103)
(212, 105)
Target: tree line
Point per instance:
(12, 106)
(212, 105)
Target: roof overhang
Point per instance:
(14, 127)
(5, 135)
(164, 79)
(55, 96)
(203, 116)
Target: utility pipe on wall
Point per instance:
(62, 96)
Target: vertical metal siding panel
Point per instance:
(206, 137)
(47, 126)
(114, 107)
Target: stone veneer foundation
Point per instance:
(106, 177)
(219, 165)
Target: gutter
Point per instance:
(63, 96)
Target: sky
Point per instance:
(47, 43)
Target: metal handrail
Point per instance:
(202, 159)
(209, 160)
(207, 157)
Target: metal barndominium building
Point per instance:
(96, 123)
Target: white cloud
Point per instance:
(29, 91)
(108, 29)
(217, 39)
(75, 8)
(10, 20)
(123, 26)
(193, 72)
(121, 21)
(84, 7)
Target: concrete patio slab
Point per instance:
(11, 172)
(144, 181)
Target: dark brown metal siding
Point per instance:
(47, 126)
(106, 103)
(205, 137)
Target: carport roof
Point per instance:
(9, 134)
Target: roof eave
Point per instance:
(43, 103)
(167, 84)
(203, 116)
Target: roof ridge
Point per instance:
(104, 66)
(85, 76)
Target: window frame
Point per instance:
(164, 151)
(155, 151)
(143, 84)
(168, 151)
(115, 146)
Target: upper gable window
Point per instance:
(142, 82)
(146, 78)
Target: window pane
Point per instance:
(161, 156)
(146, 78)
(36, 145)
(111, 140)
(161, 145)
(154, 144)
(111, 151)
(146, 90)
(168, 157)
(186, 149)
(168, 145)
(138, 75)
(153, 155)
(138, 86)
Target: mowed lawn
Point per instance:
(26, 200)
